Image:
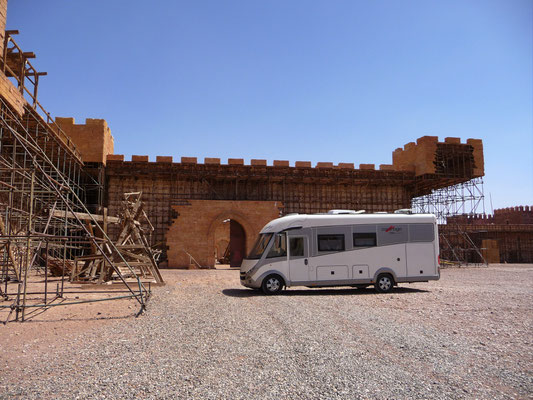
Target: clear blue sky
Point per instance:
(340, 81)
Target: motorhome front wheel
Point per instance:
(272, 284)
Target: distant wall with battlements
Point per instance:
(501, 216)
(506, 236)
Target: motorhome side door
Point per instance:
(298, 258)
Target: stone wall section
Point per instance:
(301, 187)
(421, 157)
(193, 231)
(3, 17)
(12, 95)
(502, 216)
(302, 190)
(93, 139)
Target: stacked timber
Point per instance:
(130, 256)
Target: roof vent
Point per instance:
(345, 212)
(404, 211)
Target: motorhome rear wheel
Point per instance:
(384, 283)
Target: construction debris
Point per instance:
(140, 258)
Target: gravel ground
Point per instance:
(468, 335)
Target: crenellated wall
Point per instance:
(506, 236)
(253, 162)
(301, 186)
(514, 215)
(93, 139)
(449, 158)
(502, 216)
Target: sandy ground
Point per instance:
(54, 327)
(468, 335)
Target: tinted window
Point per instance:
(260, 246)
(421, 233)
(362, 239)
(296, 247)
(330, 242)
(279, 247)
(392, 234)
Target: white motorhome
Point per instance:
(343, 248)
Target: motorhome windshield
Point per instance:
(260, 246)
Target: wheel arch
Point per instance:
(286, 282)
(385, 270)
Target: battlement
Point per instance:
(428, 156)
(450, 158)
(503, 216)
(93, 139)
(514, 215)
(282, 164)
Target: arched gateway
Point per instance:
(194, 230)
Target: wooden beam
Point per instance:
(36, 73)
(85, 216)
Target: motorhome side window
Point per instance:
(330, 242)
(296, 247)
(364, 239)
(421, 233)
(364, 236)
(279, 246)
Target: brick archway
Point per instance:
(249, 231)
(193, 231)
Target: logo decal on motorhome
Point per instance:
(392, 229)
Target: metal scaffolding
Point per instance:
(465, 200)
(42, 192)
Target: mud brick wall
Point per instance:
(511, 243)
(300, 186)
(449, 158)
(222, 238)
(3, 16)
(490, 250)
(12, 95)
(93, 139)
(301, 189)
(514, 215)
(194, 229)
(502, 216)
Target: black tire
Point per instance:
(272, 284)
(384, 283)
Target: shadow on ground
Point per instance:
(318, 292)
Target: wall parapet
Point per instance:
(253, 162)
(448, 158)
(518, 215)
(93, 139)
(426, 156)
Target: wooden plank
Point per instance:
(85, 216)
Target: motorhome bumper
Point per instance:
(247, 281)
